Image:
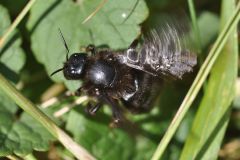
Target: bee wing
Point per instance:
(163, 52)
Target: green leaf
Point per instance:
(22, 136)
(16, 136)
(212, 117)
(107, 27)
(12, 57)
(104, 142)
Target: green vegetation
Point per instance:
(194, 119)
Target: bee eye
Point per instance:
(75, 55)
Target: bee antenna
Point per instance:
(56, 71)
(65, 44)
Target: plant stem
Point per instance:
(195, 25)
(36, 113)
(198, 82)
(16, 22)
(13, 157)
(95, 11)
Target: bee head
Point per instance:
(73, 68)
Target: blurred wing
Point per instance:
(163, 53)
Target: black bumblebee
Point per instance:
(132, 76)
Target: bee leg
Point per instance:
(83, 89)
(78, 92)
(91, 48)
(117, 113)
(90, 109)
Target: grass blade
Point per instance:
(195, 25)
(16, 22)
(212, 117)
(28, 107)
(198, 82)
